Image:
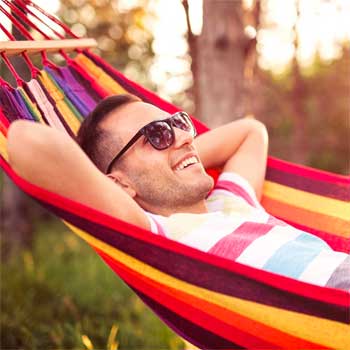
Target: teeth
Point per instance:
(186, 162)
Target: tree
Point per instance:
(218, 63)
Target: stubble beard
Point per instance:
(162, 191)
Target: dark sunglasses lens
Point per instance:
(183, 122)
(160, 135)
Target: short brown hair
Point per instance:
(98, 143)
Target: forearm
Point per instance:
(217, 146)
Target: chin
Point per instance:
(206, 183)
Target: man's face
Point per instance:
(171, 178)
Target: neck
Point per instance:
(197, 208)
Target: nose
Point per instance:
(182, 138)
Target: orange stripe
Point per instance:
(154, 289)
(331, 225)
(3, 129)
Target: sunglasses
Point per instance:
(159, 133)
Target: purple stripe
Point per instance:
(73, 90)
(12, 108)
(27, 112)
(87, 86)
(235, 189)
(329, 189)
(233, 245)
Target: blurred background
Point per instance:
(286, 63)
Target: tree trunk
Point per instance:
(219, 63)
(300, 140)
(253, 101)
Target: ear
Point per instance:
(123, 181)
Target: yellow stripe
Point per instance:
(3, 148)
(69, 117)
(33, 106)
(321, 331)
(100, 75)
(308, 201)
(58, 97)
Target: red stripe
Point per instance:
(233, 245)
(167, 296)
(336, 297)
(235, 189)
(3, 129)
(306, 171)
(3, 119)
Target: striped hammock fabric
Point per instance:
(210, 301)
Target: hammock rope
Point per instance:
(224, 304)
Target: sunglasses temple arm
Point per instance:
(123, 150)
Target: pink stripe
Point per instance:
(274, 221)
(305, 171)
(232, 245)
(235, 189)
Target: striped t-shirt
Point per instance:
(238, 228)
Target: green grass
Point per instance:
(61, 295)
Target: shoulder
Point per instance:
(233, 184)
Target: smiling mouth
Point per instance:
(187, 163)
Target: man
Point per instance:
(149, 171)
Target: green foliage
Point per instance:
(314, 103)
(61, 295)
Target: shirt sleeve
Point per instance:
(238, 186)
(156, 226)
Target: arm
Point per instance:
(240, 146)
(50, 159)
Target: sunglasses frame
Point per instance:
(143, 132)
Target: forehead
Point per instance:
(128, 119)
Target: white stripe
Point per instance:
(260, 250)
(216, 202)
(321, 268)
(212, 231)
(154, 227)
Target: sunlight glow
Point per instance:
(321, 28)
(171, 67)
(195, 8)
(7, 24)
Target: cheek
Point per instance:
(151, 157)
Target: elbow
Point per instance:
(259, 128)
(24, 142)
(17, 142)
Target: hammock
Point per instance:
(208, 300)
